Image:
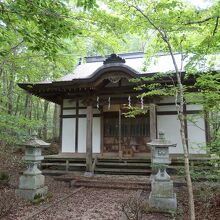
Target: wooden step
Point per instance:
(123, 164)
(63, 161)
(55, 172)
(123, 160)
(123, 171)
(64, 164)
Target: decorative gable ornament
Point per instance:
(114, 79)
(114, 58)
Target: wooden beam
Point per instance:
(89, 138)
(153, 122)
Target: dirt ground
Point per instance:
(65, 202)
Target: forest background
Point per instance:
(43, 40)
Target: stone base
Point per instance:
(31, 194)
(152, 177)
(162, 188)
(163, 203)
(88, 174)
(31, 181)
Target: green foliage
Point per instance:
(208, 193)
(39, 198)
(14, 129)
(209, 97)
(86, 4)
(135, 110)
(43, 40)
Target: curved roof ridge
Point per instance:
(113, 67)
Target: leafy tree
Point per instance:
(175, 26)
(43, 40)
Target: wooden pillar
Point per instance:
(89, 138)
(61, 128)
(102, 129)
(153, 122)
(119, 133)
(153, 130)
(77, 126)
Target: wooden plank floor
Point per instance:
(83, 155)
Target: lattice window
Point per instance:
(130, 127)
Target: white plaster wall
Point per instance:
(82, 111)
(82, 135)
(196, 135)
(69, 103)
(68, 135)
(169, 124)
(69, 111)
(165, 108)
(96, 135)
(173, 108)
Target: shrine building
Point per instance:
(96, 96)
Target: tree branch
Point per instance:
(16, 46)
(200, 21)
(163, 35)
(216, 26)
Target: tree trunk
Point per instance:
(46, 105)
(180, 112)
(28, 106)
(10, 91)
(17, 104)
(37, 116)
(56, 122)
(4, 88)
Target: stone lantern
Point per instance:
(31, 183)
(162, 196)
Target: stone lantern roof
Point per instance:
(161, 143)
(36, 142)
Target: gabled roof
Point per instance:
(91, 74)
(135, 61)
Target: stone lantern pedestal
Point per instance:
(31, 183)
(162, 196)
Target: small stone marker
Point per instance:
(31, 183)
(162, 196)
